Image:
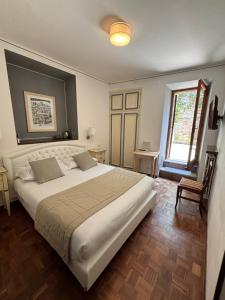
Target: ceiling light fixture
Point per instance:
(120, 34)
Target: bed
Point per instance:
(92, 245)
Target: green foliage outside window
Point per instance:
(183, 119)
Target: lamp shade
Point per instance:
(91, 131)
(120, 34)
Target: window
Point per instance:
(187, 116)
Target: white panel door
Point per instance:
(117, 102)
(116, 136)
(132, 100)
(129, 139)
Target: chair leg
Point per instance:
(177, 198)
(200, 209)
(201, 205)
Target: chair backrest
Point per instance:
(208, 175)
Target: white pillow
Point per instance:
(25, 173)
(62, 165)
(69, 163)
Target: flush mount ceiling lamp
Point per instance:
(120, 34)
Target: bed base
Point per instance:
(87, 273)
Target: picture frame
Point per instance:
(40, 112)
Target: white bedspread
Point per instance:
(91, 235)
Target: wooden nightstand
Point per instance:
(4, 188)
(99, 154)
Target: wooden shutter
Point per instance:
(198, 123)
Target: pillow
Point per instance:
(25, 173)
(64, 168)
(46, 169)
(69, 163)
(84, 161)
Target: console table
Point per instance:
(149, 155)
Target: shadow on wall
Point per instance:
(216, 221)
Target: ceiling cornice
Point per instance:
(203, 67)
(51, 59)
(171, 73)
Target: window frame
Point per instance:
(171, 118)
(195, 161)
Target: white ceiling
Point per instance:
(168, 35)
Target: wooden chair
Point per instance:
(192, 190)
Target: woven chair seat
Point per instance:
(191, 185)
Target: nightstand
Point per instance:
(4, 188)
(99, 154)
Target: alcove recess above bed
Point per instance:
(43, 100)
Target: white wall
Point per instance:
(154, 92)
(153, 99)
(216, 220)
(92, 102)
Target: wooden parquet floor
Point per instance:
(163, 259)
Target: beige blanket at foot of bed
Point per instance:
(59, 215)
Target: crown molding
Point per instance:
(8, 42)
(186, 70)
(174, 72)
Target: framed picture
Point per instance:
(40, 112)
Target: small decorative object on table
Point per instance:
(4, 188)
(146, 145)
(67, 134)
(99, 154)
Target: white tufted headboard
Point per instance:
(21, 157)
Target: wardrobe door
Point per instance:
(132, 100)
(129, 139)
(116, 135)
(117, 102)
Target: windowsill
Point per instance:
(178, 162)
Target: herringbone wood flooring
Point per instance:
(163, 259)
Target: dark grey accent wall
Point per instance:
(21, 80)
(26, 74)
(70, 88)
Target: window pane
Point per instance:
(183, 120)
(198, 117)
